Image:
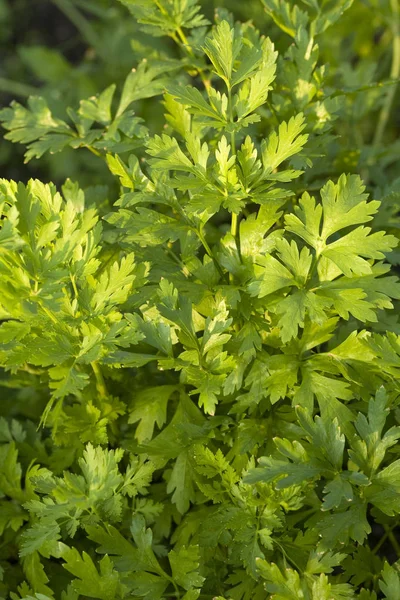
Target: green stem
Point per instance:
(49, 314)
(287, 557)
(179, 262)
(380, 543)
(207, 248)
(80, 22)
(185, 42)
(161, 8)
(15, 88)
(235, 217)
(394, 74)
(32, 371)
(177, 593)
(100, 383)
(234, 221)
(314, 265)
(230, 108)
(395, 543)
(234, 225)
(94, 151)
(72, 277)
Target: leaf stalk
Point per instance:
(100, 383)
(394, 74)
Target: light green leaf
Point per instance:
(150, 408)
(103, 583)
(282, 145)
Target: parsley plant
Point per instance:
(200, 361)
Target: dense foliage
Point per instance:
(199, 328)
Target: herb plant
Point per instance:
(200, 362)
